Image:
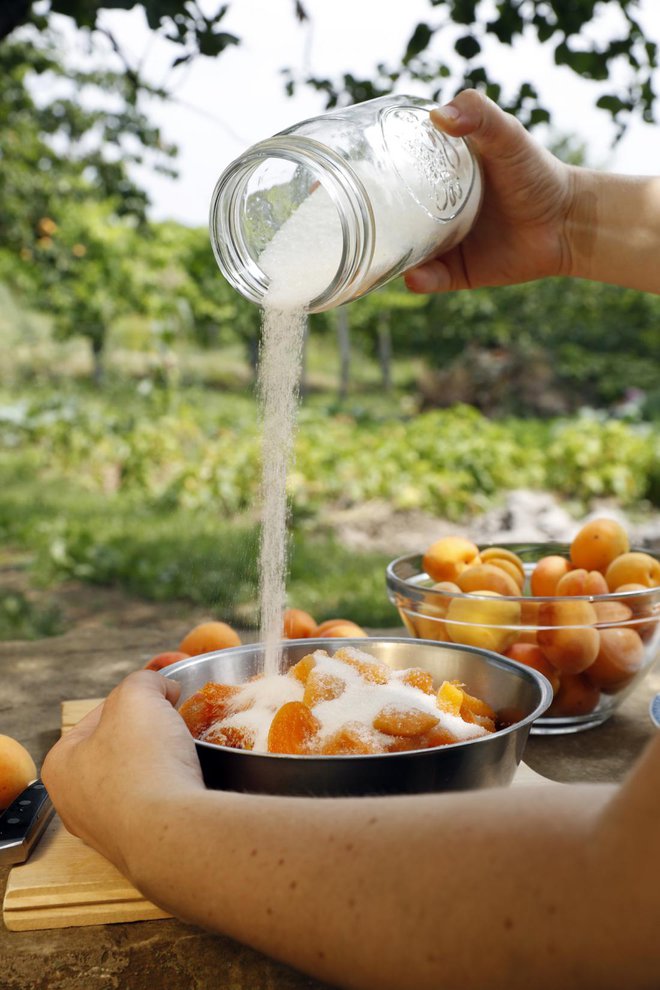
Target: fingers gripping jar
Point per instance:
(335, 206)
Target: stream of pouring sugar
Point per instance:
(283, 334)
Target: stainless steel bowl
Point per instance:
(517, 693)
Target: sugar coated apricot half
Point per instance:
(292, 729)
(446, 558)
(597, 544)
(207, 637)
(17, 770)
(567, 634)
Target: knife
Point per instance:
(23, 823)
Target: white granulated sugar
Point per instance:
(303, 256)
(279, 376)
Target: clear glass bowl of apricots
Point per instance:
(584, 614)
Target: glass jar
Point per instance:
(339, 204)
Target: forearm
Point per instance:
(478, 892)
(613, 229)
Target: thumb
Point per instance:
(492, 131)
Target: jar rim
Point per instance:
(342, 184)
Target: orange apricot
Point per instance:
(351, 740)
(509, 568)
(533, 656)
(238, 737)
(17, 770)
(496, 555)
(633, 568)
(322, 687)
(165, 659)
(325, 629)
(292, 729)
(343, 630)
(620, 656)
(546, 574)
(446, 558)
(581, 582)
(567, 634)
(207, 637)
(487, 577)
(418, 678)
(303, 668)
(597, 544)
(298, 624)
(642, 607)
(208, 705)
(612, 613)
(370, 670)
(490, 621)
(475, 706)
(394, 721)
(576, 696)
(450, 697)
(430, 625)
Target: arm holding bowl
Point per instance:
(550, 886)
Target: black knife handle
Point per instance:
(23, 822)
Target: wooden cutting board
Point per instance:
(65, 883)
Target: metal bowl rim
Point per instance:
(496, 659)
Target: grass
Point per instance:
(171, 554)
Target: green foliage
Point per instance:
(21, 618)
(564, 24)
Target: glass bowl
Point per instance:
(624, 628)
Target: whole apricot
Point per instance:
(567, 634)
(487, 577)
(546, 574)
(207, 637)
(509, 568)
(489, 621)
(577, 695)
(17, 770)
(298, 624)
(642, 607)
(165, 659)
(532, 656)
(342, 630)
(581, 582)
(633, 568)
(597, 543)
(446, 558)
(620, 656)
(495, 555)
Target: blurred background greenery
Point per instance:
(129, 435)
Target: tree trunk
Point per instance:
(344, 341)
(385, 350)
(98, 371)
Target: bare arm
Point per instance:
(541, 217)
(493, 888)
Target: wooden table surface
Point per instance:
(87, 663)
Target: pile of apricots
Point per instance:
(210, 636)
(214, 713)
(555, 620)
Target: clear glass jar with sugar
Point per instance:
(339, 204)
